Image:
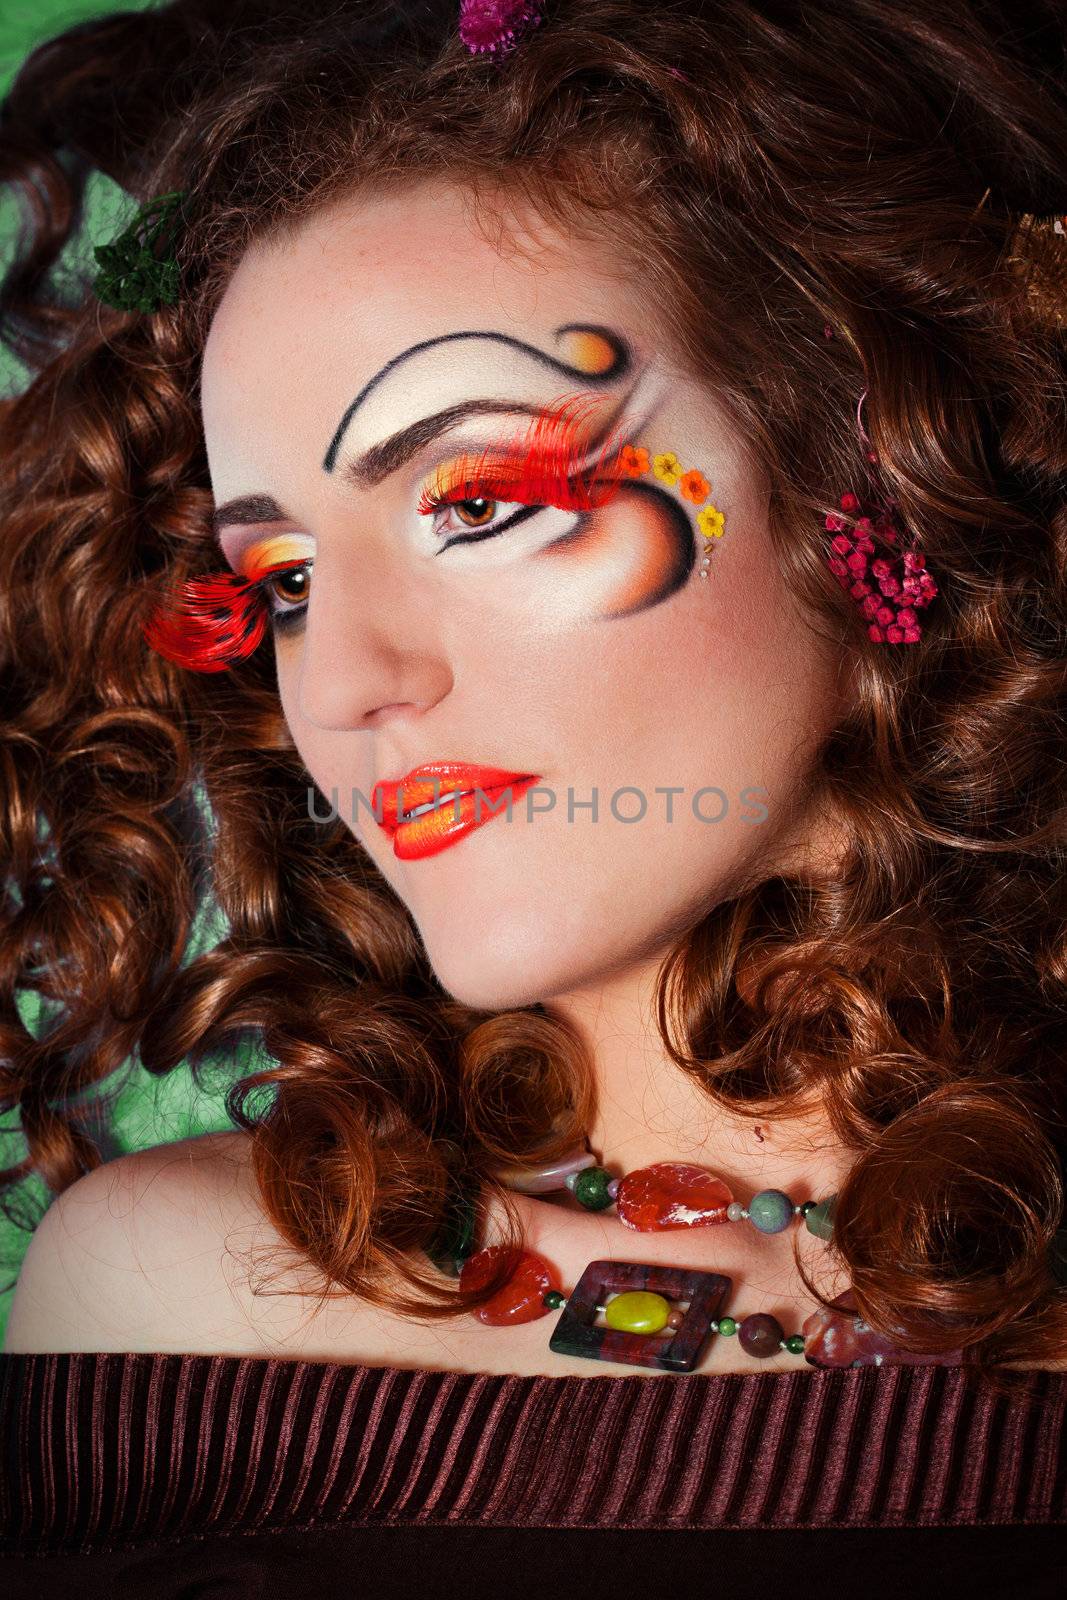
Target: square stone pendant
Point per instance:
(675, 1350)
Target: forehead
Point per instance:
(308, 318)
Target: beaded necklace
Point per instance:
(656, 1316)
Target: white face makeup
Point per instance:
(575, 645)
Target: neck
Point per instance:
(649, 1110)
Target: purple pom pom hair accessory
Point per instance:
(495, 26)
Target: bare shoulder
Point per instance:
(154, 1251)
(170, 1250)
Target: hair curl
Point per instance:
(920, 991)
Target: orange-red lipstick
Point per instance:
(453, 809)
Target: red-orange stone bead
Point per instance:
(840, 1338)
(521, 1298)
(671, 1194)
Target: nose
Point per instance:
(373, 649)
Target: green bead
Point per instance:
(820, 1219)
(795, 1344)
(638, 1311)
(455, 1240)
(591, 1188)
(770, 1211)
(553, 1299)
(727, 1325)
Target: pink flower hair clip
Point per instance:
(494, 27)
(890, 589)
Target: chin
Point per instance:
(482, 993)
(499, 968)
(475, 979)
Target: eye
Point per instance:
(287, 589)
(477, 512)
(545, 471)
(481, 513)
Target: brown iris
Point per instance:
(297, 581)
(479, 517)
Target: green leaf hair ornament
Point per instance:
(133, 276)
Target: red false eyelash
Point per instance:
(545, 464)
(214, 621)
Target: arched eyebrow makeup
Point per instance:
(598, 358)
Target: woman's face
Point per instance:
(387, 358)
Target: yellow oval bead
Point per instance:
(638, 1311)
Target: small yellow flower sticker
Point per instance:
(634, 460)
(667, 467)
(710, 522)
(694, 486)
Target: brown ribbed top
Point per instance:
(101, 1451)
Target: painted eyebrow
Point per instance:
(618, 369)
(374, 465)
(247, 508)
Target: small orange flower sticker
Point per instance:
(694, 486)
(634, 460)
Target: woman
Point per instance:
(589, 512)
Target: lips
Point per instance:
(437, 784)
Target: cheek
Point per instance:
(332, 756)
(621, 559)
(631, 555)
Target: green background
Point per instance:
(142, 1111)
(24, 23)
